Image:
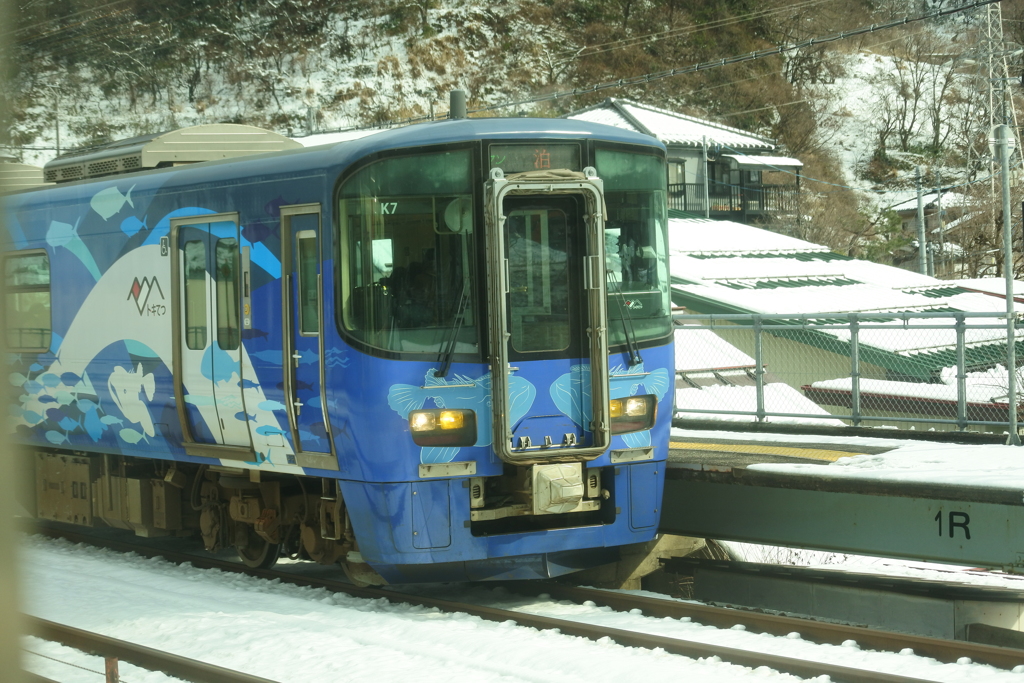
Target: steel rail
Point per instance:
(693, 649)
(145, 657)
(816, 631)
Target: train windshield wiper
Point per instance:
(627, 323)
(453, 333)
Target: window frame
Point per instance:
(301, 283)
(473, 148)
(26, 289)
(607, 145)
(187, 300)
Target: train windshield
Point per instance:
(636, 245)
(406, 250)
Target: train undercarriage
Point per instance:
(261, 516)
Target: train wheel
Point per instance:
(258, 552)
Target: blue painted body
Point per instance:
(110, 354)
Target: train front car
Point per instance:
(506, 297)
(439, 352)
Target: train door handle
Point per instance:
(298, 407)
(296, 358)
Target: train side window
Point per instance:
(309, 296)
(27, 301)
(195, 295)
(228, 335)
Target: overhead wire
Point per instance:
(693, 68)
(737, 59)
(630, 41)
(21, 29)
(95, 40)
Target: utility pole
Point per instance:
(942, 228)
(992, 79)
(56, 117)
(922, 237)
(1003, 153)
(707, 199)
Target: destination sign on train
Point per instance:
(520, 158)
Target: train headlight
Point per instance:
(443, 427)
(451, 419)
(632, 414)
(422, 421)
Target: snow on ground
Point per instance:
(982, 466)
(288, 633)
(790, 439)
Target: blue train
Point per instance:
(439, 352)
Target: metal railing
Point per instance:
(932, 369)
(733, 199)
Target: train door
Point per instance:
(545, 317)
(209, 382)
(303, 345)
(548, 271)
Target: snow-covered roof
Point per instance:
(949, 199)
(726, 267)
(670, 127)
(701, 350)
(782, 397)
(759, 271)
(704, 235)
(764, 163)
(990, 285)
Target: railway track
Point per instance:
(947, 651)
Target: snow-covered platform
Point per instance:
(958, 504)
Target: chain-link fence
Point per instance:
(930, 370)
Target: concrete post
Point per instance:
(1003, 152)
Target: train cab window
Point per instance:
(538, 265)
(27, 301)
(406, 249)
(228, 335)
(195, 294)
(636, 245)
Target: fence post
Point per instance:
(110, 667)
(759, 368)
(961, 374)
(855, 369)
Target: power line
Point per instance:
(694, 68)
(750, 56)
(22, 29)
(678, 32)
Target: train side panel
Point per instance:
(105, 381)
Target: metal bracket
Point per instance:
(449, 469)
